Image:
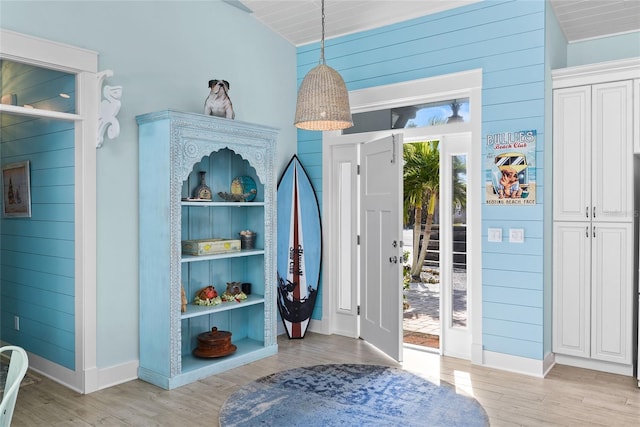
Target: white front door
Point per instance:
(381, 245)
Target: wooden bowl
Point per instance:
(214, 344)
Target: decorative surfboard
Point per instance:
(299, 254)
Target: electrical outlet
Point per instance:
(16, 323)
(516, 235)
(494, 235)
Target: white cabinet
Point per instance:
(572, 288)
(174, 148)
(593, 284)
(572, 154)
(612, 292)
(593, 213)
(636, 116)
(593, 161)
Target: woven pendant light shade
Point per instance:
(323, 101)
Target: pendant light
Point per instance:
(323, 100)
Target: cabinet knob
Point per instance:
(594, 212)
(594, 231)
(586, 231)
(586, 211)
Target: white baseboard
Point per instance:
(118, 374)
(320, 327)
(548, 363)
(66, 377)
(86, 382)
(517, 364)
(477, 353)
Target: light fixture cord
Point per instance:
(322, 60)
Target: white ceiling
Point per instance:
(586, 19)
(299, 21)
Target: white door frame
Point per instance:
(84, 64)
(454, 340)
(467, 84)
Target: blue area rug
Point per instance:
(349, 395)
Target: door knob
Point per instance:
(393, 259)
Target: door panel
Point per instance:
(612, 159)
(571, 288)
(636, 117)
(342, 229)
(571, 155)
(456, 333)
(611, 305)
(380, 245)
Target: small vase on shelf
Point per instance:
(202, 191)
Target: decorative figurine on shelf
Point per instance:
(218, 102)
(202, 191)
(207, 296)
(233, 288)
(234, 292)
(245, 186)
(183, 297)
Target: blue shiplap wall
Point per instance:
(310, 155)
(506, 39)
(37, 254)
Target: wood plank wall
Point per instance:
(505, 39)
(37, 258)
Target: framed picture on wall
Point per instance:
(16, 190)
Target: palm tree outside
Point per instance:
(421, 191)
(421, 194)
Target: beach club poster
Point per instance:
(510, 173)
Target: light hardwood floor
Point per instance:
(567, 396)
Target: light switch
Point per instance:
(516, 235)
(494, 234)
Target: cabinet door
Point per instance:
(571, 288)
(612, 292)
(636, 116)
(612, 158)
(571, 154)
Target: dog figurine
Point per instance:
(218, 102)
(509, 185)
